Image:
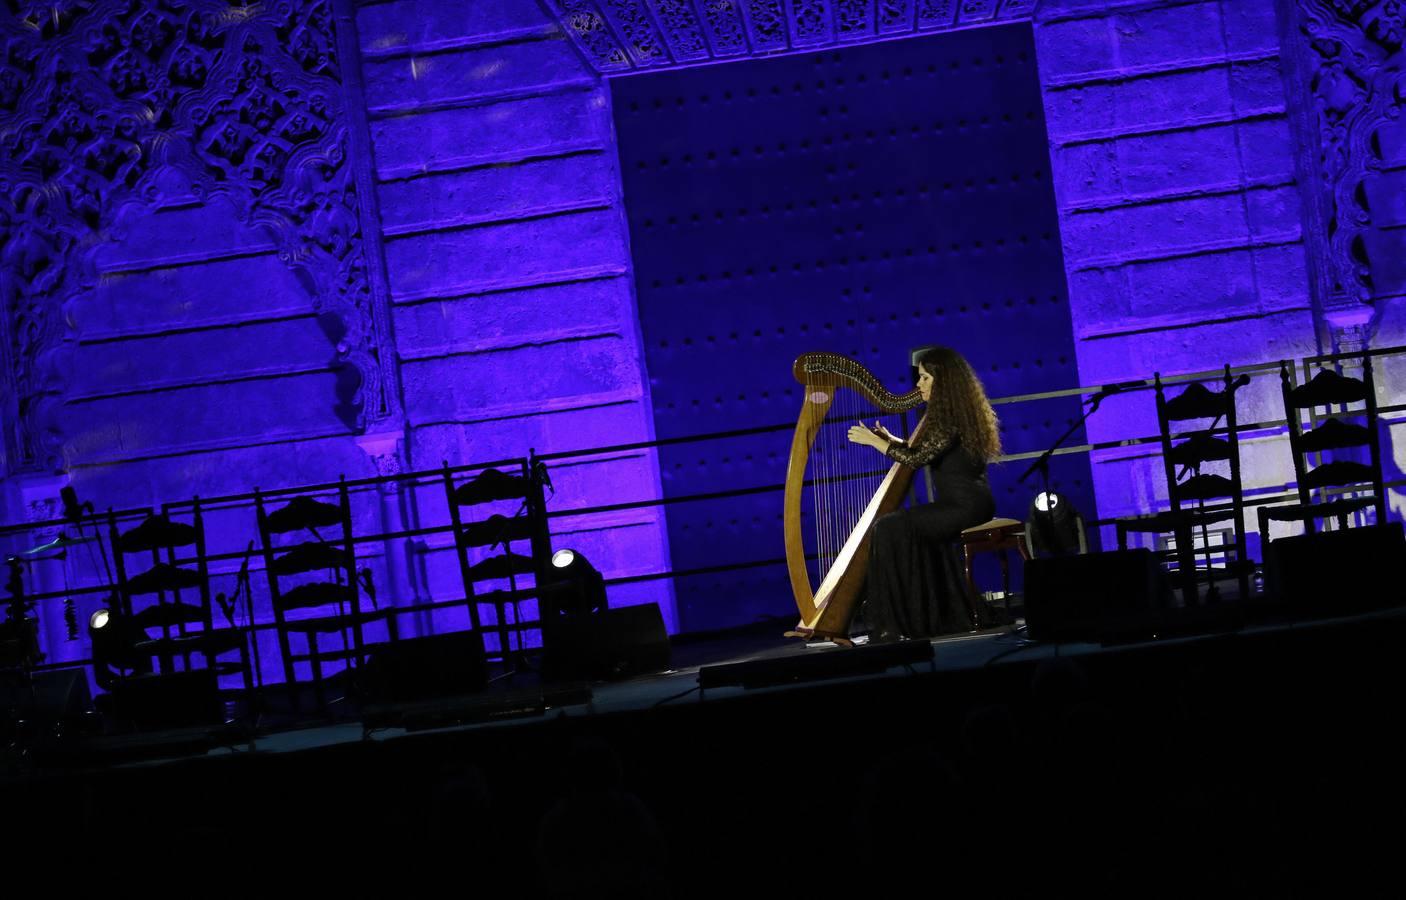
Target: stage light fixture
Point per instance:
(578, 588)
(114, 639)
(1055, 527)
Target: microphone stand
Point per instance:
(230, 607)
(242, 585)
(1042, 464)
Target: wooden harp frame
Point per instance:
(827, 609)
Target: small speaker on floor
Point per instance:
(168, 700)
(612, 643)
(55, 695)
(438, 665)
(1338, 572)
(1092, 596)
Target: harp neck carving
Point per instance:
(833, 370)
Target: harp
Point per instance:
(849, 487)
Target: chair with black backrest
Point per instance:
(179, 623)
(1343, 487)
(528, 526)
(324, 617)
(1190, 490)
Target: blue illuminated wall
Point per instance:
(1227, 175)
(508, 269)
(1182, 212)
(324, 237)
(864, 201)
(305, 240)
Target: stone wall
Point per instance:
(277, 245)
(236, 244)
(1344, 64)
(191, 303)
(1181, 211)
(508, 265)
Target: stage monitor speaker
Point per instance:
(612, 643)
(437, 665)
(1339, 572)
(54, 695)
(1092, 596)
(169, 700)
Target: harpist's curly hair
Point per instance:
(959, 400)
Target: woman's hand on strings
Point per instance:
(884, 433)
(863, 434)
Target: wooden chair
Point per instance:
(1190, 489)
(169, 606)
(526, 530)
(1325, 400)
(326, 617)
(996, 536)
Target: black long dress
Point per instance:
(916, 586)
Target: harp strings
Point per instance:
(844, 476)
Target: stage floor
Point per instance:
(521, 698)
(1220, 757)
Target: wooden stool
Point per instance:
(995, 536)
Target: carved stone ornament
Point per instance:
(1352, 51)
(582, 20)
(101, 101)
(387, 452)
(629, 35)
(42, 510)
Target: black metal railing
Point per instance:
(434, 478)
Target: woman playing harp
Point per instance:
(915, 585)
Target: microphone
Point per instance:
(1108, 390)
(539, 471)
(226, 606)
(1240, 382)
(72, 509)
(244, 566)
(369, 586)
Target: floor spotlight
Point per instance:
(114, 639)
(577, 587)
(1055, 527)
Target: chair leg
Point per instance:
(1186, 567)
(251, 699)
(320, 689)
(978, 621)
(1006, 585)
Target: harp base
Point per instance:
(810, 634)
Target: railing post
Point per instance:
(38, 496)
(398, 513)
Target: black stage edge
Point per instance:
(835, 662)
(1265, 760)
